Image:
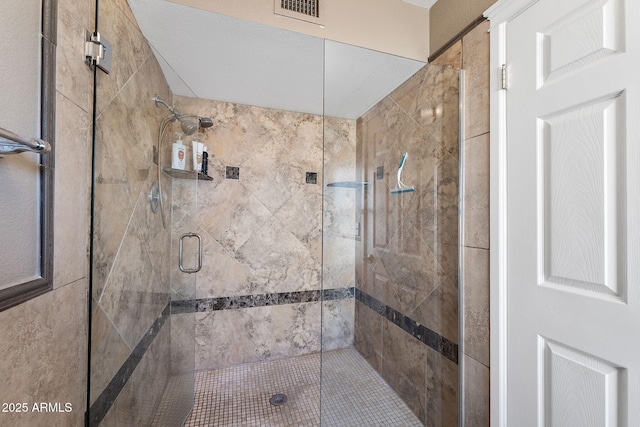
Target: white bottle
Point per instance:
(178, 155)
(197, 155)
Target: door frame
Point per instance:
(499, 15)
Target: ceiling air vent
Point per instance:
(305, 10)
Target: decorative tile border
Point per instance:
(103, 403)
(263, 300)
(442, 345)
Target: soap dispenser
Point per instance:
(178, 155)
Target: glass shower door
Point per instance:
(390, 249)
(142, 337)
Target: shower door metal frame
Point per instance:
(23, 292)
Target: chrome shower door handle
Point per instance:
(180, 255)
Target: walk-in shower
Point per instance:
(318, 282)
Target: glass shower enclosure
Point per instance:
(390, 242)
(141, 337)
(325, 296)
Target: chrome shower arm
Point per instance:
(159, 100)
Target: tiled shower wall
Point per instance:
(407, 263)
(471, 53)
(258, 294)
(131, 247)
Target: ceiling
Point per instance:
(212, 56)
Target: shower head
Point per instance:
(205, 122)
(188, 125)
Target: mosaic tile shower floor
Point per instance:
(353, 395)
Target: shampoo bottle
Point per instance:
(197, 155)
(178, 155)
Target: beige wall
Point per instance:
(449, 17)
(472, 54)
(391, 26)
(43, 352)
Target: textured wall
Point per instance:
(407, 262)
(43, 355)
(472, 54)
(449, 17)
(261, 226)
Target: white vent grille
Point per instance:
(305, 7)
(302, 10)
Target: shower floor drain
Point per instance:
(278, 399)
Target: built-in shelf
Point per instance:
(348, 184)
(177, 173)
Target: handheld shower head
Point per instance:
(188, 125)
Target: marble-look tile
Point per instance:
(138, 400)
(476, 304)
(475, 62)
(230, 213)
(183, 338)
(110, 222)
(222, 275)
(476, 192)
(435, 211)
(74, 79)
(124, 168)
(183, 285)
(230, 337)
(404, 364)
(412, 270)
(275, 174)
(430, 98)
(71, 229)
(476, 393)
(134, 295)
(302, 216)
(303, 140)
(111, 418)
(338, 260)
(127, 130)
(439, 311)
(108, 351)
(278, 261)
(126, 10)
(337, 324)
(442, 390)
(43, 353)
(130, 51)
(339, 150)
(239, 131)
(368, 334)
(451, 57)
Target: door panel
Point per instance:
(572, 196)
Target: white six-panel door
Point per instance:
(569, 230)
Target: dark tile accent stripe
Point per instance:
(442, 345)
(103, 403)
(263, 300)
